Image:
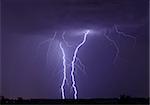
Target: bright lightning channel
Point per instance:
(81, 66)
(73, 64)
(64, 72)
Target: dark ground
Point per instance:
(121, 100)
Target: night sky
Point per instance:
(27, 23)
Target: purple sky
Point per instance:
(26, 23)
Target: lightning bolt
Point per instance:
(64, 72)
(51, 39)
(63, 37)
(124, 34)
(75, 59)
(49, 46)
(82, 68)
(73, 64)
(114, 43)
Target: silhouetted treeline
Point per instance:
(123, 99)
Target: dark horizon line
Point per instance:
(120, 100)
(121, 96)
